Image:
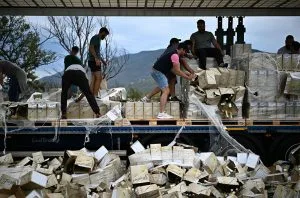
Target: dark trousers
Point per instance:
(14, 89)
(79, 79)
(202, 53)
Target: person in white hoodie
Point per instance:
(75, 74)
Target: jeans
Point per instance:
(202, 53)
(160, 79)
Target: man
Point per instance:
(295, 47)
(75, 74)
(17, 81)
(95, 59)
(201, 46)
(165, 64)
(288, 45)
(70, 60)
(172, 79)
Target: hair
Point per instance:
(75, 49)
(183, 46)
(105, 30)
(201, 21)
(188, 42)
(289, 37)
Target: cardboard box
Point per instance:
(176, 170)
(100, 153)
(199, 189)
(138, 110)
(148, 112)
(38, 157)
(33, 180)
(51, 181)
(213, 96)
(139, 174)
(129, 110)
(166, 153)
(224, 77)
(175, 109)
(149, 191)
(209, 160)
(155, 108)
(177, 154)
(155, 150)
(6, 159)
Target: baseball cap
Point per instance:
(174, 40)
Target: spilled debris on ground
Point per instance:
(158, 171)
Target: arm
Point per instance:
(176, 70)
(216, 44)
(186, 66)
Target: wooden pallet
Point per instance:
(151, 122)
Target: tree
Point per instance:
(77, 31)
(133, 94)
(21, 43)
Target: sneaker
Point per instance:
(174, 98)
(224, 65)
(145, 99)
(164, 115)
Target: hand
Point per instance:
(222, 52)
(98, 62)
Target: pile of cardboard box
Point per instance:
(179, 171)
(176, 170)
(149, 110)
(78, 174)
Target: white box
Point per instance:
(33, 180)
(138, 110)
(148, 112)
(139, 174)
(252, 160)
(155, 150)
(175, 109)
(99, 154)
(129, 110)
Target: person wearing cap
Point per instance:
(165, 64)
(295, 47)
(17, 79)
(202, 42)
(172, 80)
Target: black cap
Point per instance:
(174, 40)
(184, 46)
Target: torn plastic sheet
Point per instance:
(217, 122)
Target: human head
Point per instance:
(174, 42)
(201, 25)
(188, 43)
(289, 41)
(75, 50)
(103, 32)
(182, 49)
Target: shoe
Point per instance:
(174, 98)
(224, 65)
(164, 115)
(145, 99)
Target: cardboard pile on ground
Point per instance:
(78, 174)
(156, 172)
(242, 175)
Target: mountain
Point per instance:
(136, 72)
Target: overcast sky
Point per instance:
(137, 34)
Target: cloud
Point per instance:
(137, 34)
